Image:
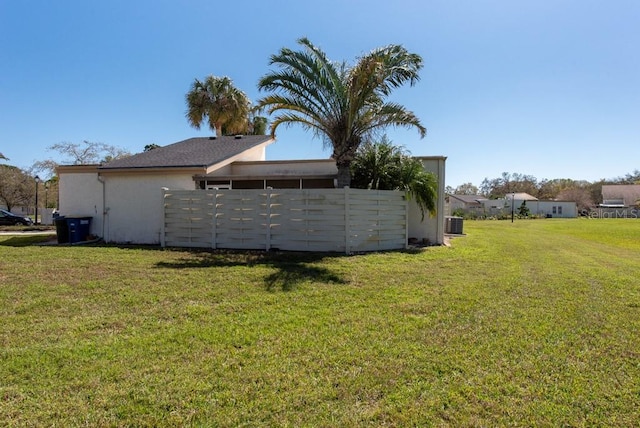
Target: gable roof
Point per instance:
(193, 152)
(469, 199)
(522, 196)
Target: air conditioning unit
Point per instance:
(453, 225)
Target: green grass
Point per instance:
(535, 323)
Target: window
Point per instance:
(559, 210)
(319, 183)
(284, 184)
(554, 210)
(248, 184)
(214, 184)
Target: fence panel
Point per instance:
(343, 220)
(188, 218)
(308, 220)
(377, 220)
(241, 221)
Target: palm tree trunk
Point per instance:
(218, 131)
(344, 174)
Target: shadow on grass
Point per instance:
(291, 269)
(25, 241)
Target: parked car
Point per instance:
(7, 218)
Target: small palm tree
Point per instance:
(222, 104)
(341, 104)
(383, 166)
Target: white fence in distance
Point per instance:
(341, 220)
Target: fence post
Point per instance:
(406, 222)
(214, 220)
(268, 221)
(347, 222)
(163, 242)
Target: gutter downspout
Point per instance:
(104, 206)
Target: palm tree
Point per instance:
(341, 104)
(221, 103)
(383, 166)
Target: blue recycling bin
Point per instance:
(79, 228)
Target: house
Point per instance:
(618, 201)
(542, 208)
(470, 204)
(620, 195)
(125, 197)
(474, 206)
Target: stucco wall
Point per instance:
(431, 228)
(132, 210)
(81, 196)
(569, 209)
(539, 208)
(292, 168)
(134, 206)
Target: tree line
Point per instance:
(584, 193)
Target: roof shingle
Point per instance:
(193, 152)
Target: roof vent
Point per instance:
(212, 138)
(237, 137)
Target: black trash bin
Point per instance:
(79, 228)
(62, 230)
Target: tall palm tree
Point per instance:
(222, 104)
(383, 166)
(341, 104)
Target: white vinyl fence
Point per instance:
(343, 220)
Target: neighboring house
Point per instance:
(125, 197)
(562, 209)
(620, 195)
(478, 206)
(548, 208)
(472, 204)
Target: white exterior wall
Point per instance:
(81, 196)
(255, 154)
(456, 204)
(569, 209)
(431, 228)
(540, 208)
(284, 168)
(134, 206)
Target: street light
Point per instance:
(46, 195)
(37, 179)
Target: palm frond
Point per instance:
(218, 101)
(343, 104)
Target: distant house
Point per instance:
(466, 203)
(125, 197)
(478, 206)
(541, 208)
(620, 195)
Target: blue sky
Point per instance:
(545, 88)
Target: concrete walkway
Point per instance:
(27, 232)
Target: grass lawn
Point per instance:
(532, 323)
